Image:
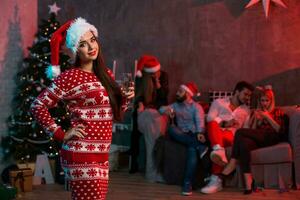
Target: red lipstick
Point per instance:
(92, 53)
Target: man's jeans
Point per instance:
(193, 147)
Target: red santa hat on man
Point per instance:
(147, 63)
(67, 38)
(191, 88)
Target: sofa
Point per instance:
(276, 166)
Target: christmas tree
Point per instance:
(26, 138)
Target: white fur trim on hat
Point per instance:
(53, 71)
(268, 87)
(187, 89)
(76, 30)
(152, 69)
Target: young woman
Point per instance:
(152, 88)
(94, 101)
(266, 127)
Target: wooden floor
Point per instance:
(134, 187)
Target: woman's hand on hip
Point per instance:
(76, 131)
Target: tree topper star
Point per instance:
(266, 4)
(54, 8)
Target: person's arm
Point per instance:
(248, 122)
(251, 120)
(213, 113)
(199, 118)
(166, 110)
(39, 108)
(270, 120)
(126, 95)
(276, 121)
(138, 99)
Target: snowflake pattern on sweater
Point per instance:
(88, 104)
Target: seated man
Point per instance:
(189, 129)
(224, 117)
(151, 93)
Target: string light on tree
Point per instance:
(25, 137)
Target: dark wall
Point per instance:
(212, 42)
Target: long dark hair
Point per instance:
(146, 89)
(110, 85)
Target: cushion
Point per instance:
(279, 153)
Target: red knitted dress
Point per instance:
(85, 161)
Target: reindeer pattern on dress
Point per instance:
(90, 101)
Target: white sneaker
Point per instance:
(214, 185)
(218, 156)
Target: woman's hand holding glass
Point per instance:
(127, 86)
(129, 92)
(169, 112)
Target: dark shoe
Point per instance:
(133, 170)
(187, 189)
(160, 179)
(253, 188)
(247, 192)
(128, 152)
(134, 167)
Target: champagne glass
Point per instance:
(128, 82)
(127, 87)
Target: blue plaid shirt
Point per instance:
(189, 116)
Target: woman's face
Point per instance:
(88, 48)
(157, 74)
(265, 102)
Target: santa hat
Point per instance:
(191, 88)
(67, 37)
(148, 64)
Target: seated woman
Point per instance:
(152, 90)
(266, 126)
